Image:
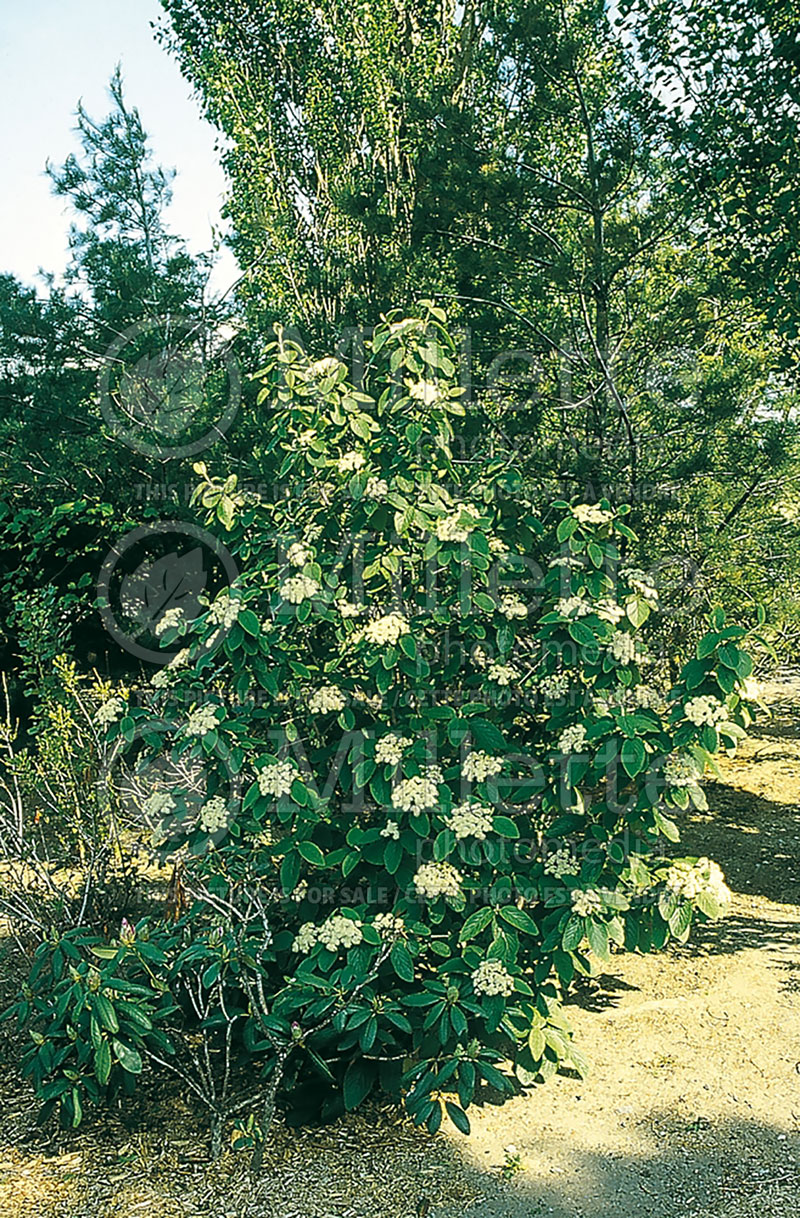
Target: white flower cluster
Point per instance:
(109, 711)
(503, 674)
(298, 588)
(560, 863)
(572, 739)
(584, 904)
(276, 779)
(642, 583)
(491, 978)
(479, 657)
(323, 367)
(622, 646)
(171, 617)
(419, 792)
(298, 554)
(376, 488)
(389, 926)
(214, 815)
(573, 606)
(470, 820)
(158, 804)
(391, 829)
(498, 547)
(427, 392)
(688, 880)
(389, 749)
(590, 513)
(681, 771)
(479, 766)
(452, 528)
(162, 678)
(373, 702)
(299, 892)
(386, 629)
(609, 611)
(338, 931)
(511, 607)
(305, 939)
(224, 612)
(350, 462)
(201, 720)
(434, 880)
(647, 697)
(327, 701)
(348, 609)
(554, 686)
(705, 710)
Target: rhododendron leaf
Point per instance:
(128, 1057)
(358, 1081)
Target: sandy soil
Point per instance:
(692, 1109)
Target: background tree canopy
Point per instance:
(603, 203)
(609, 196)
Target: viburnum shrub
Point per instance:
(436, 775)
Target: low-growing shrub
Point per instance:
(63, 862)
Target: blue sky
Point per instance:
(53, 52)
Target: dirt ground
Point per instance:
(692, 1109)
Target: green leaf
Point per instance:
(573, 933)
(290, 871)
(681, 920)
(102, 1062)
(392, 855)
(458, 1116)
(637, 612)
(536, 1042)
(401, 961)
(707, 645)
(633, 757)
(128, 1057)
(666, 826)
(505, 826)
(582, 634)
(311, 852)
(408, 645)
(519, 919)
(597, 934)
(475, 923)
(249, 622)
(358, 1080)
(485, 735)
(105, 1012)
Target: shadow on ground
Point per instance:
(757, 840)
(695, 1167)
(365, 1167)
